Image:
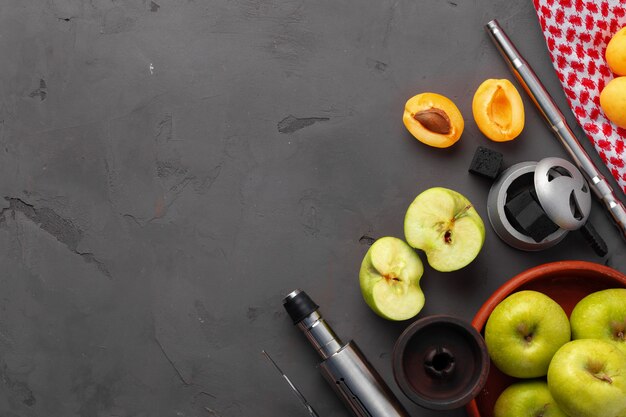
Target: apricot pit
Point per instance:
(433, 119)
(498, 110)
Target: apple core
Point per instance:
(389, 279)
(445, 225)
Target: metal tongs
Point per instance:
(295, 390)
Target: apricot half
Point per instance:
(616, 52)
(613, 101)
(498, 110)
(433, 119)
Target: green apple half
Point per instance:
(587, 378)
(524, 331)
(527, 399)
(601, 315)
(390, 279)
(446, 226)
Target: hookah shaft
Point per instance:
(537, 92)
(345, 368)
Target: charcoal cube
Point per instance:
(524, 212)
(486, 163)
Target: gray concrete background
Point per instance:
(172, 168)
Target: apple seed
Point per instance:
(389, 277)
(447, 236)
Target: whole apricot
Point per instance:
(613, 101)
(498, 110)
(616, 52)
(433, 119)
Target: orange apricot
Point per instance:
(433, 119)
(616, 52)
(498, 110)
(613, 101)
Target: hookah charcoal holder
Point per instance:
(533, 205)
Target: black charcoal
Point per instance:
(486, 163)
(527, 216)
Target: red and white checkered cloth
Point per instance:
(577, 33)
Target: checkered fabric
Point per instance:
(577, 33)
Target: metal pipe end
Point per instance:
(299, 305)
(291, 295)
(492, 25)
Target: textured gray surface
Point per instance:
(171, 169)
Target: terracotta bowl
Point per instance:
(566, 283)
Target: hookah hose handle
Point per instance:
(343, 366)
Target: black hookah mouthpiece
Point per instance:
(299, 305)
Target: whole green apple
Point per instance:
(587, 378)
(390, 279)
(524, 331)
(527, 399)
(601, 315)
(445, 225)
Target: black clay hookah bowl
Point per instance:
(440, 362)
